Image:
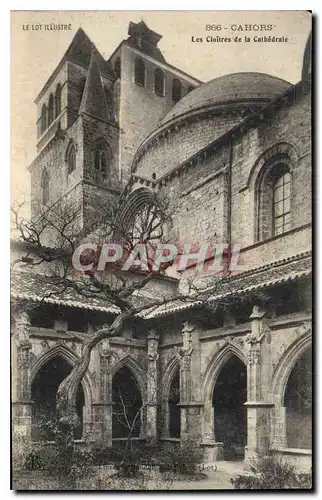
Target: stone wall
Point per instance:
(140, 109)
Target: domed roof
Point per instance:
(230, 88)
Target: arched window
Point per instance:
(45, 187)
(117, 67)
(176, 90)
(282, 203)
(58, 100)
(71, 158)
(139, 72)
(101, 155)
(43, 119)
(159, 82)
(273, 193)
(51, 110)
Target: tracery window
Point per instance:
(101, 157)
(71, 158)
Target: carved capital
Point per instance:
(153, 354)
(105, 348)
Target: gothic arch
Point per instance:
(70, 156)
(169, 373)
(134, 204)
(135, 369)
(286, 363)
(70, 357)
(215, 366)
(100, 146)
(71, 144)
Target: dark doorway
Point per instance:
(298, 403)
(174, 409)
(43, 395)
(229, 396)
(127, 405)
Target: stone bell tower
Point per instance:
(77, 133)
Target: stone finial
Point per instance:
(23, 329)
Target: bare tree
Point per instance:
(52, 238)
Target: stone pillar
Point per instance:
(279, 437)
(152, 388)
(22, 404)
(102, 409)
(259, 410)
(190, 403)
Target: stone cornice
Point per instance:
(174, 125)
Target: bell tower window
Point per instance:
(117, 67)
(43, 119)
(51, 110)
(101, 159)
(159, 82)
(58, 100)
(70, 157)
(176, 90)
(139, 72)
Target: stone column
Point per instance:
(102, 409)
(22, 404)
(190, 403)
(152, 388)
(259, 409)
(279, 439)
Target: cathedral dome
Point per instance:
(202, 116)
(232, 88)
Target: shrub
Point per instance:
(181, 460)
(272, 472)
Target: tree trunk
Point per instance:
(67, 391)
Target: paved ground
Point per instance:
(214, 476)
(218, 477)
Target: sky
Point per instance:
(35, 54)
